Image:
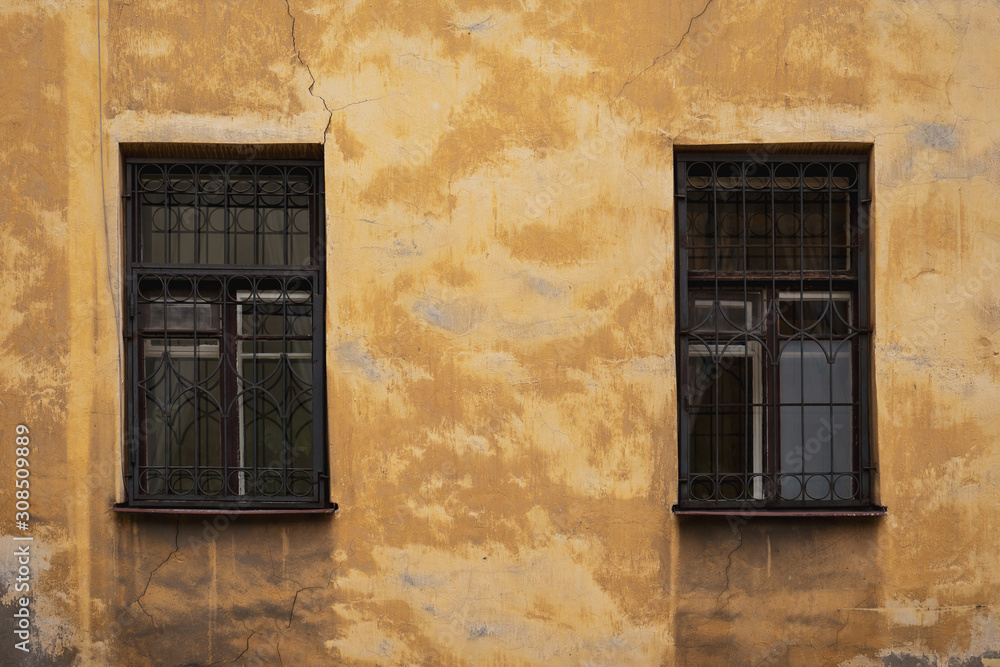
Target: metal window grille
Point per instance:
(773, 332)
(224, 335)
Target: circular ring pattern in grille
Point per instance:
(702, 488)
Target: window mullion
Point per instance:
(284, 363)
(716, 358)
(199, 444)
(773, 339)
(255, 308)
(831, 315)
(749, 369)
(801, 234)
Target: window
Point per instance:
(773, 332)
(225, 332)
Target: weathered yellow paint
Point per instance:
(500, 330)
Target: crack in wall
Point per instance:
(298, 56)
(149, 579)
(152, 621)
(351, 104)
(729, 565)
(252, 633)
(663, 55)
(242, 653)
(301, 588)
(291, 612)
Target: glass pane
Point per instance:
(242, 215)
(153, 217)
(300, 410)
(816, 453)
(737, 222)
(181, 305)
(808, 376)
(787, 232)
(242, 228)
(759, 231)
(815, 314)
(272, 236)
(263, 427)
(826, 226)
(729, 230)
(180, 411)
(812, 231)
(178, 317)
(269, 317)
(720, 421)
(276, 411)
(731, 312)
(213, 244)
(298, 230)
(700, 231)
(184, 224)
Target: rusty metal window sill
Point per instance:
(125, 509)
(873, 511)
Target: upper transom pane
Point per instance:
(197, 213)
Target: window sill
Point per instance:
(125, 509)
(788, 513)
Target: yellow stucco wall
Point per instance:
(501, 376)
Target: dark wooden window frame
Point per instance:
(229, 307)
(769, 489)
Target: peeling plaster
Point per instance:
(501, 394)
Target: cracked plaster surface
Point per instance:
(500, 439)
